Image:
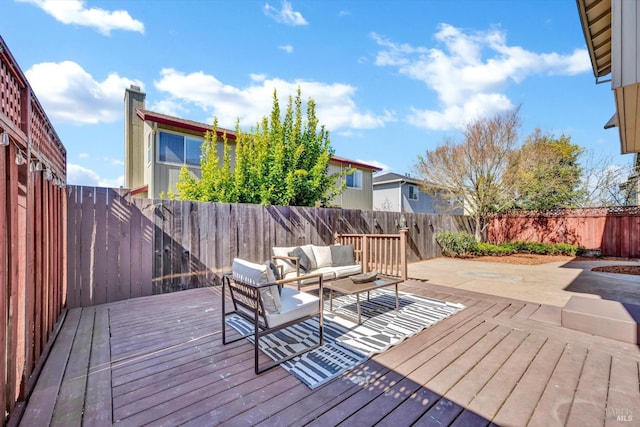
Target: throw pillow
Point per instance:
(342, 255)
(274, 268)
(323, 255)
(303, 259)
(258, 274)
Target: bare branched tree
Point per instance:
(471, 171)
(603, 183)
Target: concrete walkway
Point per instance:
(550, 284)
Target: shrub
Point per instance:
(464, 244)
(495, 250)
(456, 244)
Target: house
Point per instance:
(158, 145)
(611, 29)
(402, 193)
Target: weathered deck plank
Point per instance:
(159, 360)
(74, 383)
(98, 405)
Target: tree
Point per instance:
(605, 184)
(545, 173)
(470, 172)
(280, 162)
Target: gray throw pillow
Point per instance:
(274, 268)
(304, 259)
(342, 255)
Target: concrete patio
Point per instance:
(550, 284)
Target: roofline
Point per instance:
(589, 37)
(166, 120)
(354, 163)
(408, 179)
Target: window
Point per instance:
(180, 149)
(354, 180)
(413, 192)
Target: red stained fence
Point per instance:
(32, 233)
(614, 231)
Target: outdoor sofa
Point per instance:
(332, 261)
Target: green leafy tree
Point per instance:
(545, 173)
(283, 161)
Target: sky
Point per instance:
(390, 79)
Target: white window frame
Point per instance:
(356, 173)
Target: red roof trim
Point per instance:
(139, 190)
(162, 119)
(355, 164)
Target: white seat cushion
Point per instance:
(328, 273)
(295, 304)
(347, 270)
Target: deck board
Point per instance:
(159, 360)
(98, 405)
(72, 390)
(41, 406)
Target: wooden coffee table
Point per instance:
(347, 286)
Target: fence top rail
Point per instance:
(571, 212)
(371, 236)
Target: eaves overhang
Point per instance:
(595, 17)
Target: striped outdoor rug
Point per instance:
(347, 344)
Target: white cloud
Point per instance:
(470, 72)
(383, 166)
(287, 48)
(335, 107)
(114, 162)
(286, 15)
(79, 175)
(75, 12)
(83, 155)
(169, 107)
(70, 94)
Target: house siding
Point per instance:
(353, 198)
(385, 197)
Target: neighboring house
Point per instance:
(402, 193)
(158, 145)
(611, 29)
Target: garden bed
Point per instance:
(535, 259)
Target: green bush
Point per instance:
(460, 244)
(495, 250)
(456, 244)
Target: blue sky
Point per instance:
(391, 79)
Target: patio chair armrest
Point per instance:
(294, 259)
(298, 278)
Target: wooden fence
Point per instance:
(121, 247)
(32, 238)
(614, 231)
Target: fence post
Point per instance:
(403, 253)
(365, 253)
(336, 238)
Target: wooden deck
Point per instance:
(159, 360)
